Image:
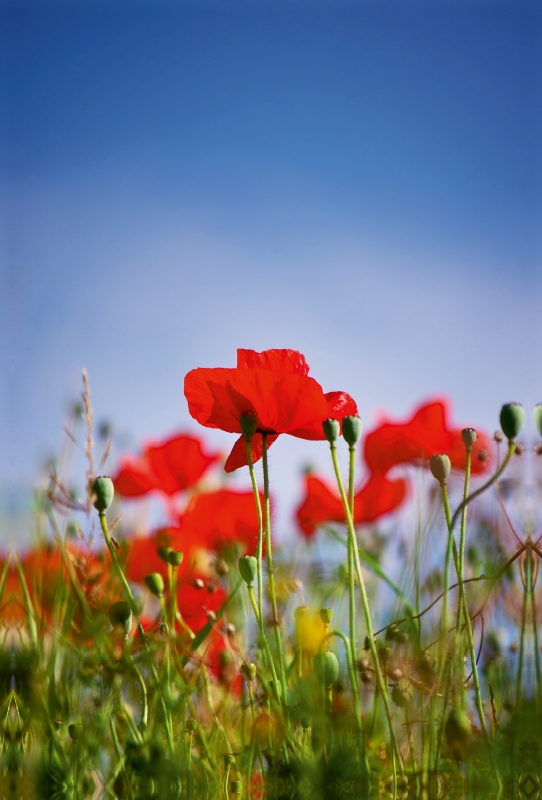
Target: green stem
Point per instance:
(259, 551)
(365, 604)
(351, 587)
(270, 568)
(461, 574)
(265, 642)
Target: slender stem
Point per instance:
(365, 604)
(351, 587)
(462, 543)
(259, 551)
(270, 568)
(264, 637)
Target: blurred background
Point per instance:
(356, 180)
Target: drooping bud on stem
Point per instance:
(102, 493)
(511, 419)
(440, 467)
(352, 429)
(332, 429)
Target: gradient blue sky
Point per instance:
(360, 181)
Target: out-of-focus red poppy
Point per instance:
(195, 597)
(222, 518)
(425, 434)
(142, 558)
(275, 386)
(379, 496)
(169, 467)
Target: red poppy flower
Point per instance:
(217, 519)
(168, 467)
(195, 597)
(377, 497)
(425, 434)
(275, 386)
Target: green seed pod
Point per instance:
(326, 615)
(384, 653)
(248, 568)
(458, 733)
(155, 583)
(511, 419)
(332, 429)
(391, 633)
(440, 467)
(191, 725)
(537, 415)
(300, 613)
(402, 693)
(326, 667)
(401, 637)
(120, 617)
(102, 493)
(249, 424)
(163, 553)
(248, 671)
(75, 731)
(236, 787)
(229, 759)
(175, 558)
(305, 722)
(351, 429)
(469, 437)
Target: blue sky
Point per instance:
(359, 181)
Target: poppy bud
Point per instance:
(229, 759)
(191, 725)
(248, 671)
(458, 733)
(332, 430)
(440, 467)
(236, 787)
(326, 667)
(248, 568)
(384, 653)
(402, 693)
(511, 419)
(103, 492)
(469, 437)
(249, 424)
(155, 583)
(163, 553)
(326, 615)
(537, 415)
(300, 613)
(175, 558)
(305, 722)
(352, 429)
(120, 617)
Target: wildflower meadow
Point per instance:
(387, 648)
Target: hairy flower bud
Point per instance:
(249, 424)
(175, 558)
(102, 493)
(351, 429)
(511, 419)
(120, 617)
(155, 583)
(326, 667)
(248, 568)
(537, 415)
(332, 429)
(402, 693)
(469, 437)
(440, 467)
